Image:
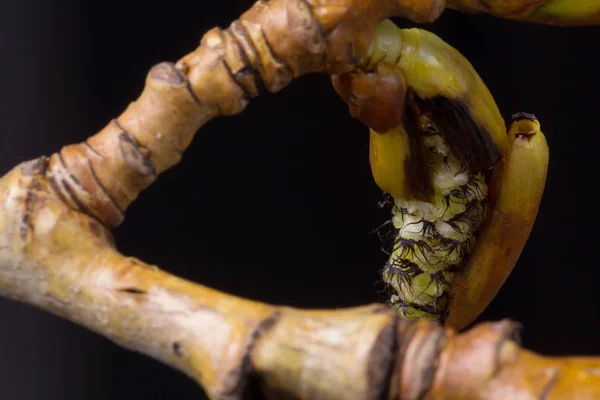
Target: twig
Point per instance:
(57, 251)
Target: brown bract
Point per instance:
(376, 98)
(57, 251)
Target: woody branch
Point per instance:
(57, 252)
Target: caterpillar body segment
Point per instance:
(455, 234)
(516, 191)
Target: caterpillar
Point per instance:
(464, 191)
(449, 139)
(431, 240)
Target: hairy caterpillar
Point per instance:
(430, 240)
(464, 191)
(436, 136)
(450, 138)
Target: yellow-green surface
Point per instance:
(431, 68)
(567, 12)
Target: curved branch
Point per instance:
(57, 251)
(271, 44)
(63, 261)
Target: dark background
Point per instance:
(277, 204)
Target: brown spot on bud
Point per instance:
(375, 98)
(522, 115)
(524, 125)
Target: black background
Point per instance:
(277, 204)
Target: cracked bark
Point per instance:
(57, 251)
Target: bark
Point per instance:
(57, 251)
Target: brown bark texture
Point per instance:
(57, 251)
